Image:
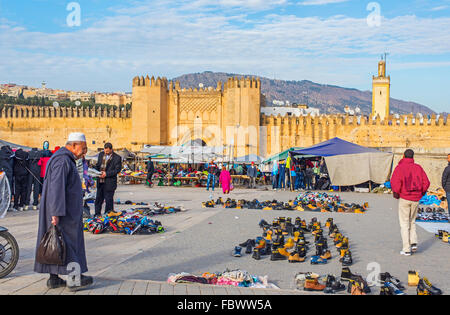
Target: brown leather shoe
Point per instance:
(313, 285)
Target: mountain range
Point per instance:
(329, 99)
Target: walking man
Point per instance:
(446, 183)
(62, 205)
(212, 170)
(409, 183)
(110, 164)
(252, 172)
(150, 172)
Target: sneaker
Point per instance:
(414, 248)
(237, 251)
(394, 290)
(85, 281)
(405, 253)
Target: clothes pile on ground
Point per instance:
(435, 198)
(237, 278)
(429, 200)
(130, 222)
(432, 215)
(130, 203)
(284, 240)
(315, 202)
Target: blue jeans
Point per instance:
(448, 203)
(274, 181)
(299, 181)
(281, 179)
(211, 179)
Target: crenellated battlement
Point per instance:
(27, 112)
(346, 120)
(150, 82)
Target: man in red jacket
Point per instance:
(409, 183)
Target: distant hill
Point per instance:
(329, 98)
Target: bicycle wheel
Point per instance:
(9, 253)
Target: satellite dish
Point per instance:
(351, 112)
(357, 110)
(201, 85)
(77, 103)
(55, 104)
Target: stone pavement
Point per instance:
(36, 285)
(201, 240)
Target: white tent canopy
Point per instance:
(184, 154)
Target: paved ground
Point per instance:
(201, 240)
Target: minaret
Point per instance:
(381, 92)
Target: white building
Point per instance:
(290, 111)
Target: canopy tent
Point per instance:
(248, 159)
(92, 155)
(125, 154)
(13, 145)
(351, 164)
(184, 154)
(283, 155)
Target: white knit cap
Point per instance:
(77, 137)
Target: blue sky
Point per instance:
(326, 41)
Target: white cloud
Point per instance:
(321, 2)
(169, 40)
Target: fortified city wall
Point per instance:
(164, 113)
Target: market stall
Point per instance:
(351, 164)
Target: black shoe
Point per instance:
(387, 277)
(347, 259)
(430, 288)
(256, 254)
(277, 256)
(346, 274)
(54, 283)
(85, 281)
(249, 248)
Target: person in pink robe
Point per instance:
(225, 180)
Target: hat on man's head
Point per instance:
(76, 137)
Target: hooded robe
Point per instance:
(62, 197)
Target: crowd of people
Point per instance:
(300, 173)
(25, 172)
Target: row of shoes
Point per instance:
(431, 214)
(422, 284)
(282, 235)
(292, 205)
(310, 281)
(443, 235)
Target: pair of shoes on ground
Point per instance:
(84, 281)
(410, 252)
(423, 285)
